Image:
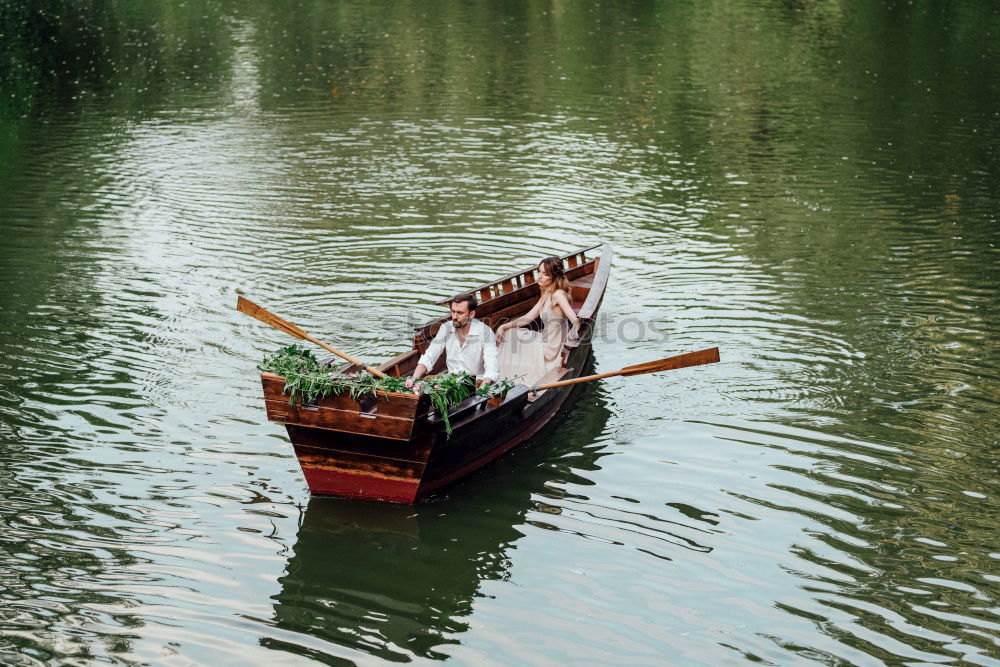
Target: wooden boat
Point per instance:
(397, 450)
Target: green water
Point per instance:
(811, 185)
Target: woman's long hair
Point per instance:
(554, 267)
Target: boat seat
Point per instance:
(580, 288)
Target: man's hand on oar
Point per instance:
(709, 356)
(255, 311)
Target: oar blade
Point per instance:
(253, 310)
(707, 356)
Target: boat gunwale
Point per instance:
(602, 273)
(512, 276)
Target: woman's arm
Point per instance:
(522, 321)
(567, 309)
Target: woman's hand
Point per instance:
(501, 330)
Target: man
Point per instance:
(471, 345)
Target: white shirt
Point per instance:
(478, 356)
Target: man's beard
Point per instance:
(458, 325)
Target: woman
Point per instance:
(525, 355)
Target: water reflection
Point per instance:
(390, 582)
(402, 582)
(809, 185)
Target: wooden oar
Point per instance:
(253, 310)
(709, 356)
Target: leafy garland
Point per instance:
(499, 388)
(307, 379)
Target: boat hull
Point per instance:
(396, 451)
(336, 464)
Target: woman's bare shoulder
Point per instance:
(561, 297)
(561, 300)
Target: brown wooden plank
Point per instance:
(382, 426)
(358, 463)
(579, 294)
(580, 271)
(409, 406)
(521, 294)
(517, 310)
(581, 287)
(416, 449)
(424, 334)
(399, 364)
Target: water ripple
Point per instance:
(825, 494)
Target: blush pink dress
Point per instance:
(526, 356)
